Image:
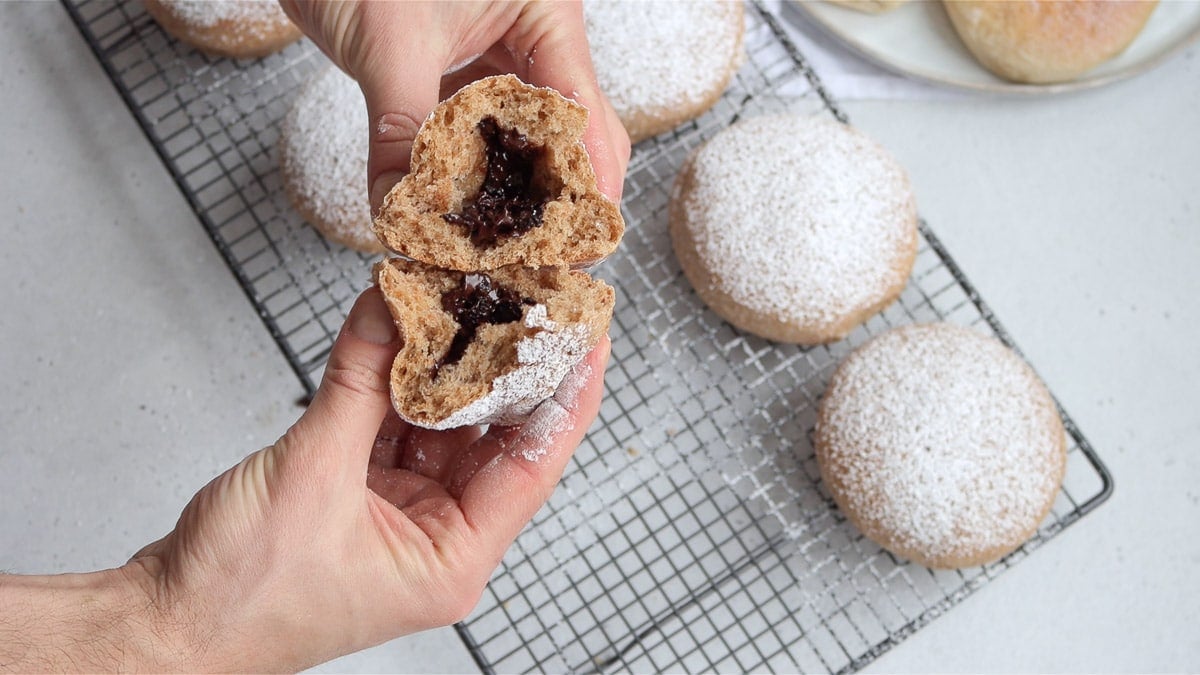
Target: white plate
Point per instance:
(918, 40)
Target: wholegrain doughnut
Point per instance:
(941, 445)
(487, 348)
(500, 202)
(794, 228)
(240, 29)
(499, 176)
(663, 63)
(323, 155)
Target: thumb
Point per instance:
(353, 399)
(552, 38)
(396, 54)
(399, 97)
(396, 115)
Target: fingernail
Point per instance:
(370, 319)
(395, 127)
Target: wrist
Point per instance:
(99, 621)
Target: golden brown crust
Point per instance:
(771, 326)
(323, 159)
(663, 64)
(356, 235)
(902, 474)
(580, 225)
(647, 123)
(718, 271)
(239, 39)
(1045, 41)
(508, 368)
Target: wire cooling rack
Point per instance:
(691, 532)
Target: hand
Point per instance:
(352, 529)
(355, 528)
(406, 56)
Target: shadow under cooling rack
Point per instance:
(691, 530)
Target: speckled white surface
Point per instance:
(134, 369)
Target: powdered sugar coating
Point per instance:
(209, 13)
(323, 149)
(554, 416)
(941, 445)
(797, 219)
(654, 57)
(543, 360)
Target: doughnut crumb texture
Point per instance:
(487, 348)
(240, 29)
(663, 63)
(794, 228)
(941, 445)
(545, 206)
(323, 156)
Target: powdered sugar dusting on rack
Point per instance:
(944, 441)
(662, 54)
(544, 358)
(324, 145)
(799, 218)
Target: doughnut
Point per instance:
(663, 63)
(323, 157)
(499, 176)
(487, 348)
(1044, 41)
(499, 202)
(941, 445)
(240, 29)
(793, 228)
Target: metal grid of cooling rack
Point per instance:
(691, 531)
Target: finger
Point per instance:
(420, 507)
(434, 454)
(550, 49)
(399, 73)
(350, 405)
(486, 65)
(390, 441)
(517, 468)
(402, 488)
(517, 439)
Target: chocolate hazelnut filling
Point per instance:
(476, 302)
(509, 203)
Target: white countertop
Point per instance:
(134, 369)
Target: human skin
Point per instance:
(351, 529)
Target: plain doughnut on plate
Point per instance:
(1042, 42)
